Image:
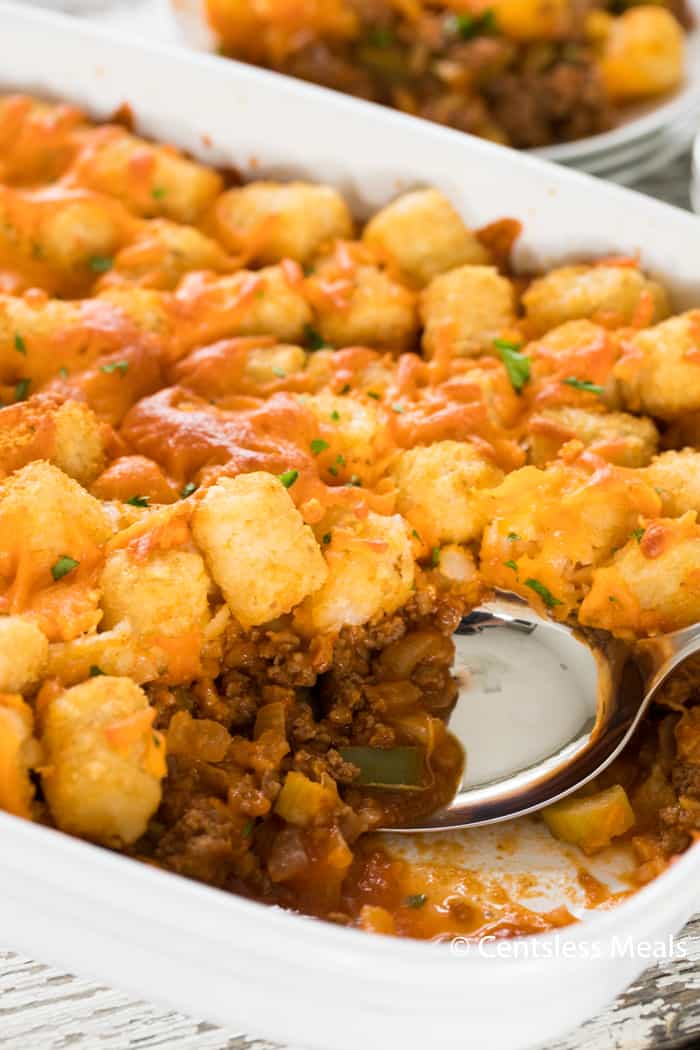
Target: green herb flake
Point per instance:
(333, 471)
(345, 389)
(373, 394)
(416, 536)
(398, 409)
(313, 338)
(63, 566)
(517, 365)
(584, 384)
(288, 477)
(435, 556)
(279, 372)
(380, 36)
(638, 533)
(95, 671)
(613, 598)
(22, 389)
(335, 416)
(115, 366)
(189, 488)
(355, 481)
(512, 537)
(247, 829)
(326, 539)
(100, 263)
(545, 594)
(63, 372)
(510, 564)
(20, 345)
(340, 460)
(137, 501)
(158, 192)
(416, 900)
(318, 445)
(468, 26)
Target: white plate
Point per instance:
(215, 955)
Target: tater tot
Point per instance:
(161, 253)
(370, 573)
(676, 478)
(659, 372)
(653, 583)
(257, 547)
(642, 53)
(362, 305)
(268, 221)
(104, 762)
(165, 593)
(352, 431)
(24, 651)
(19, 752)
(66, 433)
(37, 140)
(610, 294)
(616, 436)
(436, 485)
(424, 236)
(150, 180)
(52, 531)
(466, 309)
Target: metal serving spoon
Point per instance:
(542, 708)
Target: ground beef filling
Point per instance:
(259, 798)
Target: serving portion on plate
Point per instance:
(257, 462)
(529, 75)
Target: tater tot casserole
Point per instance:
(258, 460)
(527, 73)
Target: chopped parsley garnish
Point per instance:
(346, 389)
(544, 592)
(517, 364)
(115, 366)
(22, 389)
(189, 488)
(247, 829)
(95, 671)
(397, 408)
(279, 372)
(340, 460)
(415, 534)
(435, 556)
(512, 537)
(158, 192)
(380, 37)
(288, 478)
(470, 25)
(318, 445)
(638, 533)
(584, 384)
(335, 416)
(326, 538)
(612, 598)
(355, 481)
(313, 338)
(416, 900)
(63, 566)
(510, 564)
(137, 501)
(100, 263)
(374, 394)
(333, 471)
(63, 372)
(20, 345)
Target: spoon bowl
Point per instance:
(543, 708)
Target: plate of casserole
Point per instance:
(593, 87)
(276, 416)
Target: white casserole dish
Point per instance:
(215, 955)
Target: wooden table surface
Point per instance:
(44, 1009)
